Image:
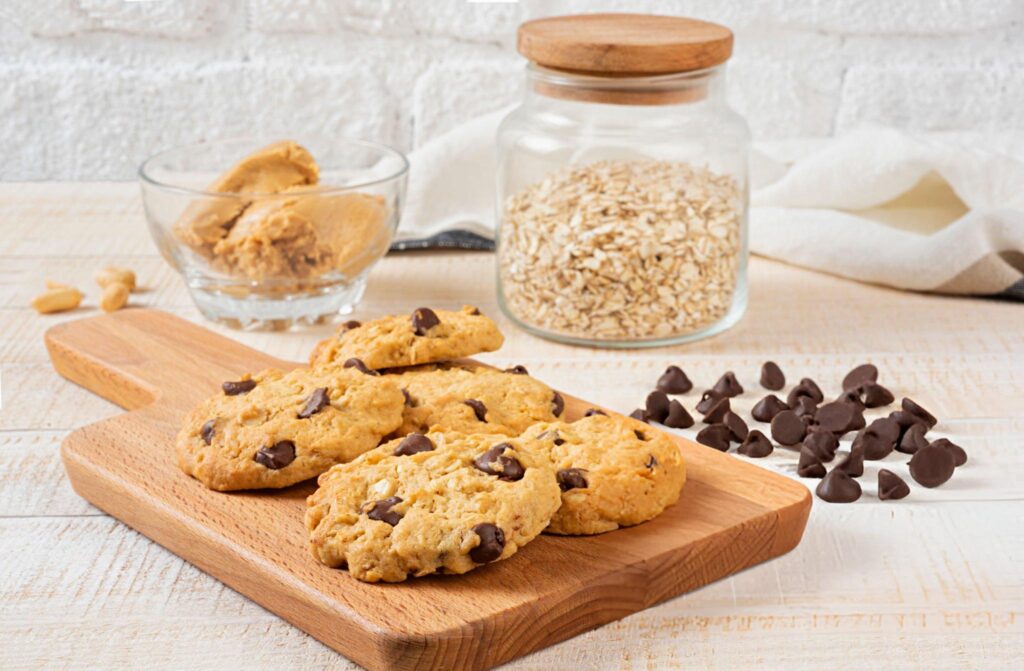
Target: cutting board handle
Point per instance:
(124, 357)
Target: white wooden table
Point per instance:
(934, 581)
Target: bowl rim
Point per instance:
(145, 177)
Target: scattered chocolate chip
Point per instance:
(772, 377)
(891, 486)
(276, 456)
(414, 443)
(657, 406)
(863, 373)
(207, 431)
(382, 511)
(737, 427)
(571, 478)
(424, 319)
(651, 462)
(728, 385)
(756, 445)
(716, 436)
(858, 421)
(913, 439)
(823, 443)
(349, 325)
(641, 415)
(959, 455)
(677, 417)
(806, 387)
(718, 411)
(557, 404)
(239, 387)
(838, 487)
(933, 465)
(708, 399)
(886, 428)
(408, 399)
(851, 396)
(517, 370)
(906, 420)
(805, 407)
(769, 406)
(875, 395)
(853, 463)
(479, 409)
(316, 402)
(810, 465)
(595, 411)
(494, 462)
(674, 381)
(492, 543)
(788, 428)
(916, 410)
(835, 416)
(359, 366)
(871, 445)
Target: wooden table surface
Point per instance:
(933, 581)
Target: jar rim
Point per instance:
(627, 89)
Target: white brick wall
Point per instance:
(88, 88)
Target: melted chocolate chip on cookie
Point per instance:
(316, 402)
(494, 462)
(276, 456)
(492, 543)
(479, 409)
(414, 443)
(571, 478)
(207, 431)
(359, 366)
(383, 510)
(424, 319)
(239, 387)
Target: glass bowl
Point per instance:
(273, 260)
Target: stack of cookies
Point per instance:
(427, 463)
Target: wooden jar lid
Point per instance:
(624, 44)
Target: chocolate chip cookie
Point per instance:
(275, 429)
(425, 336)
(612, 471)
(435, 502)
(474, 399)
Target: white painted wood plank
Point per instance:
(32, 479)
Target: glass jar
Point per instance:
(623, 196)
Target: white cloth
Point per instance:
(927, 212)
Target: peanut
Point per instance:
(57, 300)
(115, 295)
(112, 274)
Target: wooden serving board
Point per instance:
(731, 515)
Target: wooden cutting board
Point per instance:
(731, 515)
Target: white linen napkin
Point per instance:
(925, 212)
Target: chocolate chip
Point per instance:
(906, 420)
(851, 396)
(728, 385)
(492, 543)
(657, 406)
(641, 415)
(557, 405)
(359, 366)
(769, 406)
(756, 445)
(932, 465)
(494, 462)
(834, 416)
(919, 412)
(479, 409)
(788, 428)
(810, 465)
(838, 487)
(718, 411)
(737, 427)
(805, 407)
(823, 443)
(959, 455)
(873, 446)
(207, 431)
(772, 377)
(674, 381)
(424, 319)
(571, 478)
(853, 463)
(651, 462)
(875, 395)
(407, 399)
(716, 436)
(886, 428)
(316, 402)
(414, 443)
(517, 370)
(913, 439)
(891, 486)
(595, 411)
(858, 421)
(239, 387)
(382, 511)
(806, 387)
(349, 325)
(863, 373)
(708, 399)
(677, 417)
(277, 456)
